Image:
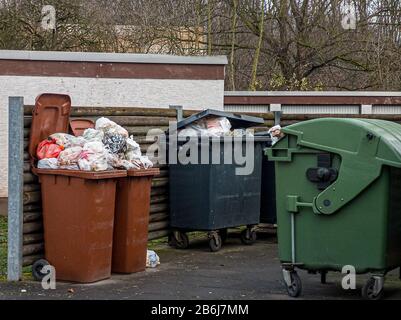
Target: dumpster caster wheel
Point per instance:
(215, 242)
(323, 277)
(373, 289)
(248, 236)
(180, 240)
(37, 267)
(293, 283)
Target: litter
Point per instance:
(110, 127)
(93, 135)
(94, 157)
(48, 163)
(68, 141)
(275, 133)
(48, 149)
(152, 259)
(69, 156)
(107, 147)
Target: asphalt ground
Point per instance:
(235, 272)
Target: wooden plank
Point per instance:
(158, 234)
(159, 207)
(29, 260)
(32, 197)
(32, 216)
(33, 227)
(161, 216)
(33, 238)
(31, 187)
(160, 225)
(32, 249)
(33, 207)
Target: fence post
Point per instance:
(15, 187)
(366, 109)
(179, 110)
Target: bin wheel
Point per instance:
(373, 289)
(248, 236)
(37, 267)
(215, 242)
(295, 288)
(223, 234)
(180, 240)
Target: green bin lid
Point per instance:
(345, 136)
(364, 145)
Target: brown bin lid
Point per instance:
(143, 172)
(78, 126)
(50, 115)
(91, 175)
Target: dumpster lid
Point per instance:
(347, 136)
(237, 121)
(78, 126)
(50, 115)
(364, 145)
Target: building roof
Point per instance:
(110, 57)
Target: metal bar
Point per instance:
(179, 110)
(293, 238)
(15, 187)
(277, 117)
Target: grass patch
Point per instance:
(3, 248)
(26, 271)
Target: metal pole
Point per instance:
(179, 110)
(277, 117)
(15, 186)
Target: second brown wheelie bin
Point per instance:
(131, 218)
(131, 221)
(78, 206)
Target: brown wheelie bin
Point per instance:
(78, 206)
(131, 221)
(131, 218)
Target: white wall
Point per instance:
(156, 93)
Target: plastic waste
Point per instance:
(115, 143)
(48, 163)
(110, 127)
(152, 259)
(275, 133)
(67, 141)
(48, 149)
(94, 157)
(93, 135)
(69, 156)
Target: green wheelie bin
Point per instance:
(338, 197)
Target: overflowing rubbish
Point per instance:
(275, 133)
(106, 147)
(213, 126)
(48, 149)
(152, 259)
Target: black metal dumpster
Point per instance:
(213, 197)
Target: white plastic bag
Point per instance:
(69, 156)
(152, 259)
(94, 157)
(48, 163)
(67, 141)
(91, 134)
(110, 127)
